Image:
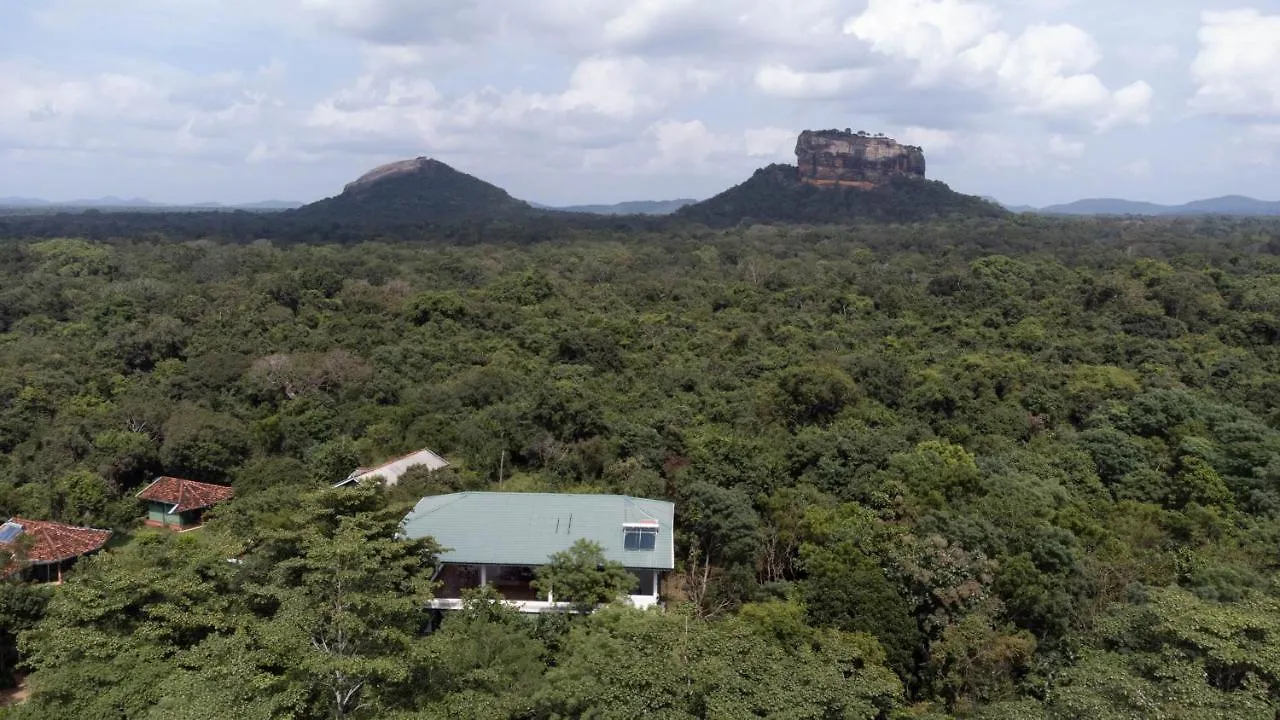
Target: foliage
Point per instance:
(315, 618)
(969, 467)
(624, 663)
(581, 575)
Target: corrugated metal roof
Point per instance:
(391, 470)
(495, 528)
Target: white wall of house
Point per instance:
(646, 595)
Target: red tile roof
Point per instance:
(185, 495)
(46, 542)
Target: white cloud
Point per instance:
(779, 80)
(609, 106)
(771, 143)
(624, 87)
(936, 141)
(1042, 71)
(1140, 168)
(398, 22)
(164, 113)
(1237, 71)
(932, 33)
(683, 143)
(690, 146)
(1064, 149)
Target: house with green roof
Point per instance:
(500, 539)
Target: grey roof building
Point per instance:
(524, 529)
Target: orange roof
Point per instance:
(45, 542)
(185, 495)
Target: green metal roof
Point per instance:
(495, 528)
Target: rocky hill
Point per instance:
(776, 194)
(841, 177)
(414, 192)
(828, 158)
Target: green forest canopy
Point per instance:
(977, 468)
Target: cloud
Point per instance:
(402, 22)
(608, 106)
(773, 144)
(690, 146)
(134, 115)
(1043, 71)
(1139, 168)
(931, 33)
(781, 81)
(1237, 70)
(937, 141)
(1064, 149)
(600, 97)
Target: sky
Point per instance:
(589, 101)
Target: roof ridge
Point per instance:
(149, 485)
(459, 498)
(558, 494)
(21, 520)
(398, 459)
(632, 502)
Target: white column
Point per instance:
(551, 596)
(484, 575)
(655, 582)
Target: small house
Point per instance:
(43, 550)
(391, 470)
(500, 539)
(180, 504)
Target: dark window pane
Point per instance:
(640, 538)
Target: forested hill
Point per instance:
(980, 468)
(776, 194)
(413, 192)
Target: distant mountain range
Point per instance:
(1226, 205)
(115, 203)
(634, 207)
(1238, 205)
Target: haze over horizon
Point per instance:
(1034, 102)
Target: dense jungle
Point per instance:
(994, 467)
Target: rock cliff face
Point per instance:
(844, 159)
(419, 165)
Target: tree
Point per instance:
(112, 633)
(483, 662)
(848, 590)
(346, 596)
(1176, 655)
(21, 608)
(581, 575)
(624, 663)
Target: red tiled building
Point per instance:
(180, 504)
(43, 550)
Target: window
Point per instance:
(639, 537)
